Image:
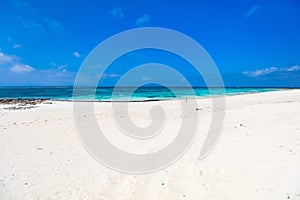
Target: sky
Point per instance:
(252, 42)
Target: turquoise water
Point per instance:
(106, 93)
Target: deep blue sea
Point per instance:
(121, 94)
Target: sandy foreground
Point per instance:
(257, 156)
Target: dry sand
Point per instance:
(257, 157)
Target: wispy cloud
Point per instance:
(107, 75)
(53, 64)
(260, 72)
(77, 54)
(112, 75)
(145, 78)
(270, 70)
(32, 25)
(117, 13)
(144, 19)
(20, 68)
(252, 10)
(62, 67)
(35, 22)
(17, 46)
(293, 68)
(46, 77)
(41, 25)
(53, 25)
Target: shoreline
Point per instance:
(34, 101)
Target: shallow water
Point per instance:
(119, 94)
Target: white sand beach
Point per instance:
(257, 156)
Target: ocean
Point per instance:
(120, 94)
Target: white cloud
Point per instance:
(76, 54)
(261, 72)
(293, 68)
(117, 12)
(13, 64)
(17, 46)
(20, 68)
(5, 59)
(142, 20)
(252, 10)
(14, 72)
(265, 71)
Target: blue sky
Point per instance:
(253, 42)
